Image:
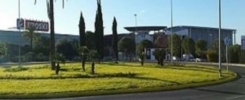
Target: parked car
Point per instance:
(176, 58)
(187, 57)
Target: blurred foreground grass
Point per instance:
(35, 81)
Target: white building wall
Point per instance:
(183, 32)
(143, 36)
(152, 56)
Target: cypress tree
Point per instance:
(115, 39)
(99, 31)
(82, 40)
(82, 31)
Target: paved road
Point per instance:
(229, 91)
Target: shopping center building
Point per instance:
(139, 33)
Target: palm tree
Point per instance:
(93, 56)
(84, 52)
(59, 58)
(30, 35)
(50, 11)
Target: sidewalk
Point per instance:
(223, 64)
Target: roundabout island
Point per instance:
(39, 81)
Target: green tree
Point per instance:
(90, 40)
(31, 35)
(115, 39)
(83, 52)
(140, 49)
(3, 49)
(99, 30)
(50, 11)
(82, 41)
(93, 54)
(126, 45)
(234, 53)
(11, 52)
(242, 57)
(42, 46)
(75, 46)
(176, 44)
(59, 58)
(82, 31)
(65, 47)
(188, 45)
(201, 48)
(212, 55)
(215, 46)
(160, 40)
(159, 52)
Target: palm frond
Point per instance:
(63, 2)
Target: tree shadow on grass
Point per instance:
(155, 79)
(75, 76)
(202, 69)
(16, 69)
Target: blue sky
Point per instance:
(150, 12)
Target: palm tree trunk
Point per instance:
(52, 37)
(31, 42)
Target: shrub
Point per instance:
(212, 56)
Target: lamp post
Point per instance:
(211, 35)
(220, 73)
(135, 15)
(171, 57)
(20, 33)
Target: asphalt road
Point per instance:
(234, 90)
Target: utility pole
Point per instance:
(19, 33)
(135, 32)
(171, 57)
(220, 73)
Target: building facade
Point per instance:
(138, 33)
(209, 34)
(17, 38)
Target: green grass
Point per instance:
(38, 81)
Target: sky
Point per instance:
(149, 13)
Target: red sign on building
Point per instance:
(39, 25)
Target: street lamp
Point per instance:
(135, 23)
(171, 31)
(20, 33)
(211, 35)
(220, 74)
(135, 32)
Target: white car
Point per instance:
(200, 60)
(176, 58)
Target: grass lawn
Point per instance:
(38, 81)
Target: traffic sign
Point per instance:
(243, 42)
(20, 23)
(227, 41)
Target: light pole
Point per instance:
(135, 23)
(20, 33)
(135, 15)
(211, 35)
(171, 57)
(220, 73)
